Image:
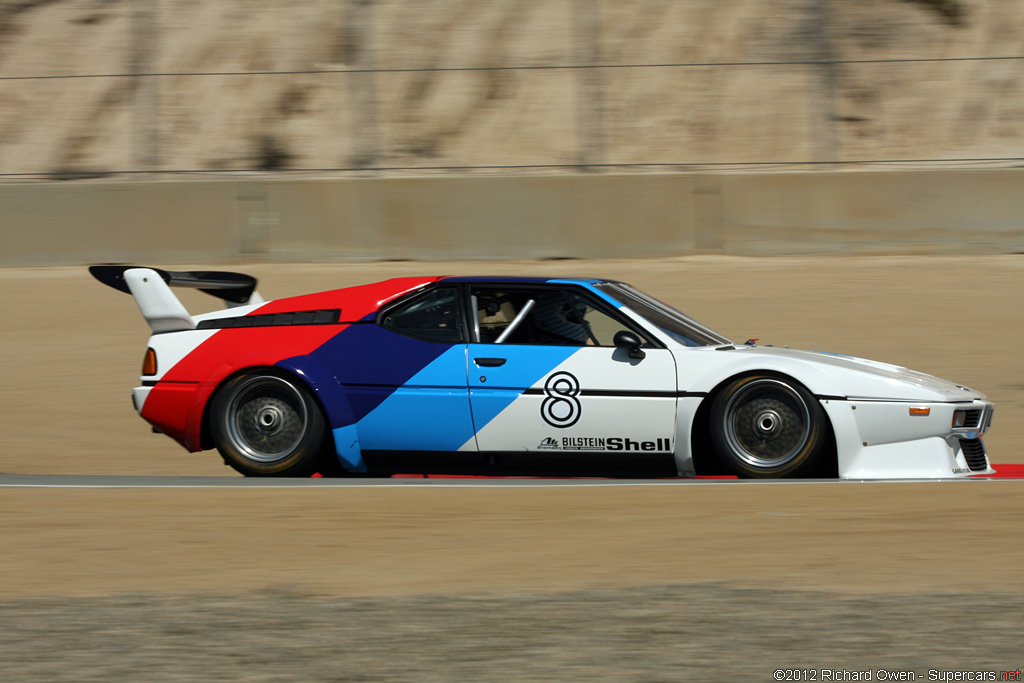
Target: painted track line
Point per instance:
(166, 482)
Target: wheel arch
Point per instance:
(308, 372)
(205, 434)
(704, 461)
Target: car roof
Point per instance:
(523, 279)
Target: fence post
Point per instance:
(145, 40)
(586, 21)
(362, 85)
(823, 116)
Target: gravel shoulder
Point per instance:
(705, 632)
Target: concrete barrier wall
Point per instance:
(590, 216)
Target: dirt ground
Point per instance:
(637, 583)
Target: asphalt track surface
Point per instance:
(405, 481)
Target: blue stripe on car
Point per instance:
(383, 390)
(372, 363)
(525, 366)
(429, 412)
(593, 290)
(346, 444)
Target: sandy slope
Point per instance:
(414, 117)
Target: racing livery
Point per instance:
(523, 375)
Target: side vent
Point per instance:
(322, 317)
(974, 454)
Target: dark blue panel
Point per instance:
(324, 385)
(378, 360)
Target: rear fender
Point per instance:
(325, 389)
(222, 355)
(196, 436)
(337, 409)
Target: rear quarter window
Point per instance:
(430, 316)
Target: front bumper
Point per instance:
(899, 439)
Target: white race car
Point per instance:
(523, 376)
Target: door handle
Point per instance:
(490, 362)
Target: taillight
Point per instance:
(149, 363)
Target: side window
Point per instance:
(548, 316)
(600, 326)
(496, 311)
(431, 316)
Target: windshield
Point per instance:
(672, 322)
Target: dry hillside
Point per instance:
(364, 89)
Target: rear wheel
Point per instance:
(767, 426)
(267, 424)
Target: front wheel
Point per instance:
(766, 426)
(266, 424)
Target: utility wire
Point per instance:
(538, 67)
(502, 167)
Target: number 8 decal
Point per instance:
(560, 407)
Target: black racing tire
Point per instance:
(765, 426)
(265, 423)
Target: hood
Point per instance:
(861, 378)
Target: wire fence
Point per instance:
(522, 67)
(589, 114)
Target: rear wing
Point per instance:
(160, 307)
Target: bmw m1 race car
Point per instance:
(524, 375)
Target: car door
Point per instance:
(405, 377)
(546, 377)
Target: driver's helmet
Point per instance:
(554, 315)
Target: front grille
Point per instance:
(974, 453)
(968, 419)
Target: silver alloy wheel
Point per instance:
(266, 418)
(767, 423)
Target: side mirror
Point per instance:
(625, 339)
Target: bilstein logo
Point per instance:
(560, 407)
(611, 443)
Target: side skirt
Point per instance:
(633, 465)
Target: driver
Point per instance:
(555, 317)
